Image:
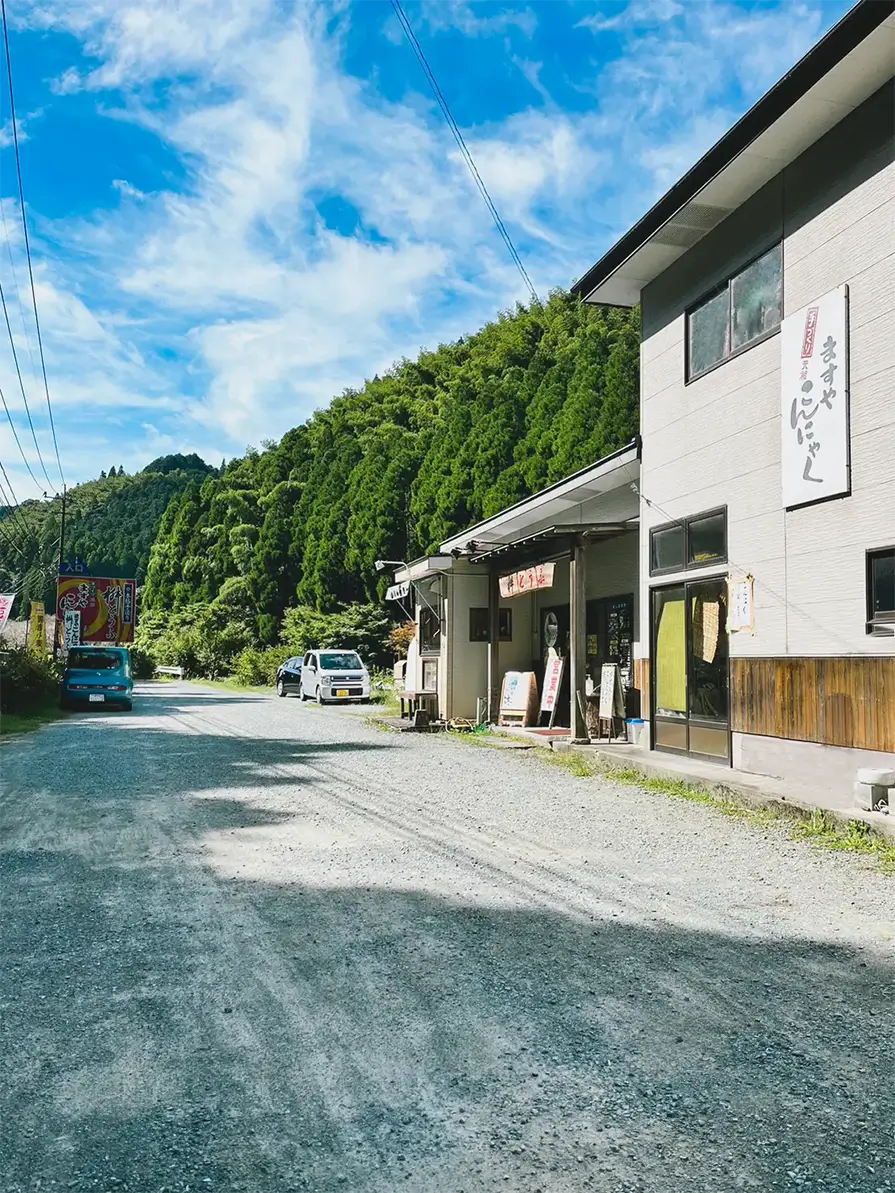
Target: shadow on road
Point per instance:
(166, 1028)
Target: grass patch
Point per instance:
(11, 723)
(852, 837)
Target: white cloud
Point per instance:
(126, 190)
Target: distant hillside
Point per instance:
(111, 524)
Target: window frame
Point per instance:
(716, 561)
(719, 288)
(505, 624)
(429, 646)
(870, 555)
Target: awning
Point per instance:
(552, 543)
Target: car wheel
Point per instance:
(281, 688)
(320, 695)
(127, 705)
(301, 695)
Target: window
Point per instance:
(691, 543)
(430, 675)
(430, 631)
(746, 308)
(479, 629)
(881, 592)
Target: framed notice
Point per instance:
(814, 401)
(740, 605)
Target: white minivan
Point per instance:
(330, 675)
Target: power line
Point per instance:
(15, 286)
(15, 359)
(15, 435)
(14, 520)
(464, 150)
(15, 141)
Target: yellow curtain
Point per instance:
(671, 661)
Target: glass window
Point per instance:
(707, 539)
(756, 299)
(709, 333)
(430, 675)
(667, 549)
(707, 689)
(505, 625)
(748, 307)
(881, 578)
(669, 619)
(478, 625)
(343, 660)
(96, 660)
(430, 632)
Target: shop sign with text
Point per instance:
(528, 580)
(106, 607)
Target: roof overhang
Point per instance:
(555, 506)
(428, 567)
(846, 67)
(552, 542)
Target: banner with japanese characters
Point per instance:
(6, 603)
(106, 607)
(814, 406)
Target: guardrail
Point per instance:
(178, 671)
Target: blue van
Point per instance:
(96, 676)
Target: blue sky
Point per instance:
(238, 208)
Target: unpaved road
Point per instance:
(249, 945)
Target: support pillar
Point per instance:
(578, 637)
(493, 647)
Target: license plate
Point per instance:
(96, 698)
(341, 691)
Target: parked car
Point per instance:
(289, 677)
(97, 676)
(334, 675)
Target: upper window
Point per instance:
(881, 592)
(691, 543)
(746, 308)
(430, 631)
(479, 624)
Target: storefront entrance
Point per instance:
(689, 648)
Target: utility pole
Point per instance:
(58, 574)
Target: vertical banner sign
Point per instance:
(107, 607)
(552, 681)
(6, 601)
(37, 630)
(71, 632)
(814, 401)
(740, 605)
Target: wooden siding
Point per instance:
(846, 701)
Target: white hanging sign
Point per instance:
(814, 401)
(740, 605)
(398, 592)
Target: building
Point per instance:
(554, 573)
(766, 278)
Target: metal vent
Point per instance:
(701, 215)
(678, 236)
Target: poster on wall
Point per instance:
(106, 606)
(740, 605)
(814, 401)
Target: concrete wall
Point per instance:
(830, 768)
(716, 441)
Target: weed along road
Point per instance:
(252, 945)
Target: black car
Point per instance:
(289, 677)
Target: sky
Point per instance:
(239, 208)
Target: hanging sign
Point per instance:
(814, 401)
(528, 580)
(398, 592)
(740, 605)
(6, 602)
(552, 681)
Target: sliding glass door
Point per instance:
(690, 668)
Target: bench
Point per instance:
(418, 700)
(178, 671)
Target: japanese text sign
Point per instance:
(814, 400)
(552, 681)
(6, 600)
(740, 605)
(528, 580)
(106, 607)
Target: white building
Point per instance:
(766, 278)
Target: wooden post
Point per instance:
(493, 646)
(578, 637)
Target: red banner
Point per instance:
(107, 607)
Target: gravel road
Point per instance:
(252, 945)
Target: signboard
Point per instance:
(37, 629)
(107, 607)
(6, 603)
(71, 629)
(528, 580)
(552, 681)
(75, 568)
(398, 592)
(519, 697)
(612, 700)
(740, 605)
(814, 401)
